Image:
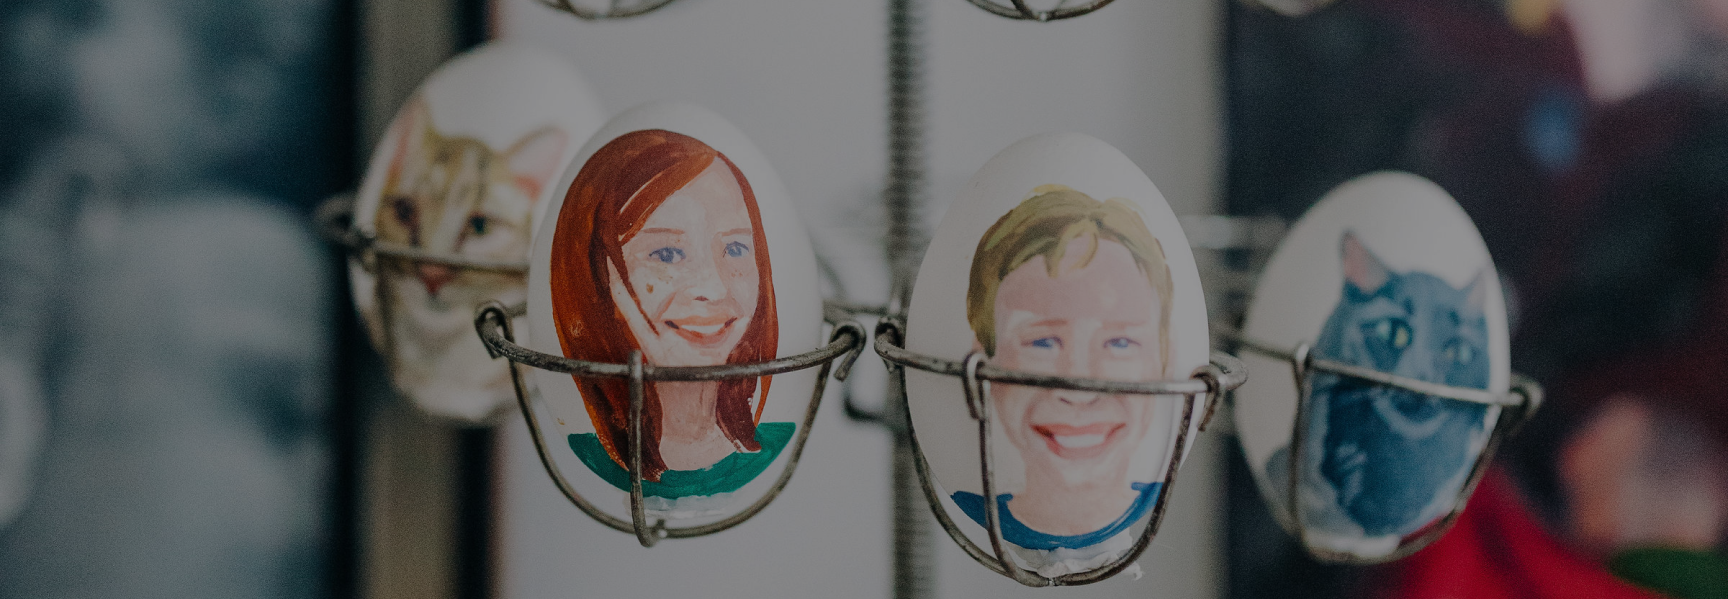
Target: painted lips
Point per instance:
(1079, 442)
(702, 331)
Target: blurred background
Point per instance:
(189, 409)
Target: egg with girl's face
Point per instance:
(1059, 258)
(464, 171)
(672, 239)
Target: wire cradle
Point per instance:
(1517, 406)
(1015, 9)
(1208, 384)
(492, 322)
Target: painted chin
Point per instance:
(705, 333)
(1088, 441)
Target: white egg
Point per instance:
(671, 235)
(1388, 273)
(1075, 473)
(465, 169)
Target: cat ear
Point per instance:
(1475, 292)
(408, 134)
(1361, 268)
(536, 159)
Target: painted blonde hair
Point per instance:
(1042, 226)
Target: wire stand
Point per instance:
(1020, 10)
(1522, 401)
(615, 9)
(1224, 373)
(493, 325)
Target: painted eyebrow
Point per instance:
(737, 231)
(1048, 322)
(661, 230)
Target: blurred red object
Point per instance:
(1498, 550)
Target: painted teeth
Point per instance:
(1079, 441)
(707, 329)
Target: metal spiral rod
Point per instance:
(907, 192)
(907, 189)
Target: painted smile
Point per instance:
(702, 331)
(1079, 442)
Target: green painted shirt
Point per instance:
(725, 476)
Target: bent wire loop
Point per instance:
(1522, 400)
(335, 220)
(496, 331)
(615, 9)
(1224, 373)
(1020, 10)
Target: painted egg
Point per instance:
(672, 236)
(1385, 273)
(1059, 257)
(464, 170)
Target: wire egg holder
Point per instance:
(615, 9)
(493, 324)
(1020, 10)
(335, 219)
(1016, 9)
(1210, 382)
(1291, 8)
(1522, 400)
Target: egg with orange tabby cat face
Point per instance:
(463, 171)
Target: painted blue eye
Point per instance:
(736, 249)
(1121, 343)
(478, 224)
(1046, 343)
(668, 255)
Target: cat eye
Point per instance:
(736, 250)
(405, 210)
(477, 224)
(1394, 332)
(668, 255)
(1460, 353)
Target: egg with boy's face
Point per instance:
(464, 171)
(673, 240)
(1059, 258)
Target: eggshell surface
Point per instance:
(464, 170)
(673, 237)
(1059, 257)
(1385, 272)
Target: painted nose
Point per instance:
(1078, 398)
(434, 276)
(707, 287)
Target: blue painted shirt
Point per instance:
(1018, 533)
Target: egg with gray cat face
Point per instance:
(1385, 273)
(464, 170)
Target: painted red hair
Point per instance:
(612, 196)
